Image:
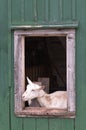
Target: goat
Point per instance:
(56, 99)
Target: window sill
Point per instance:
(43, 112)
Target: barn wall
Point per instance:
(4, 76)
(40, 12)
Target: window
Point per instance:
(47, 57)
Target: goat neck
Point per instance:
(43, 98)
(42, 93)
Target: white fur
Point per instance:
(57, 99)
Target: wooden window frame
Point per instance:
(19, 73)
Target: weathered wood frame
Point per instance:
(19, 72)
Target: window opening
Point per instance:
(47, 57)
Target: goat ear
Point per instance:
(29, 81)
(43, 87)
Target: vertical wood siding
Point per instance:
(37, 12)
(81, 66)
(42, 11)
(4, 88)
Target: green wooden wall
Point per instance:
(40, 12)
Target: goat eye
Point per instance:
(32, 90)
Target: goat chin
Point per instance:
(29, 101)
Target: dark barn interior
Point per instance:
(45, 57)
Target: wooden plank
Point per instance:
(74, 8)
(41, 10)
(71, 70)
(61, 124)
(55, 124)
(43, 112)
(16, 123)
(42, 124)
(54, 11)
(67, 10)
(67, 124)
(46, 10)
(9, 73)
(4, 88)
(9, 13)
(29, 12)
(29, 123)
(60, 10)
(80, 122)
(65, 25)
(19, 72)
(22, 10)
(43, 32)
(35, 10)
(16, 11)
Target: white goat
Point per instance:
(57, 99)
